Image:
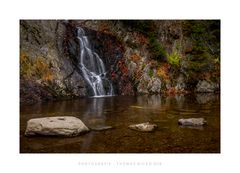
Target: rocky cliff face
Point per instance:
(141, 57)
(45, 72)
(49, 64)
(109, 48)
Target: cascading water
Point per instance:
(93, 68)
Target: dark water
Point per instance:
(122, 111)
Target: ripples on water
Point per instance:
(122, 111)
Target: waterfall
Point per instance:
(92, 67)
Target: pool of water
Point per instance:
(122, 111)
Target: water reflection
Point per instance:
(203, 98)
(93, 117)
(152, 101)
(180, 100)
(94, 114)
(122, 111)
(192, 127)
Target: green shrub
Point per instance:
(174, 59)
(205, 35)
(157, 50)
(143, 26)
(149, 29)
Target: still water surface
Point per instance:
(122, 111)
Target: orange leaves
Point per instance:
(104, 27)
(138, 74)
(163, 72)
(48, 77)
(123, 67)
(135, 58)
(37, 68)
(172, 91)
(39, 65)
(140, 38)
(23, 58)
(25, 65)
(120, 76)
(42, 69)
(113, 76)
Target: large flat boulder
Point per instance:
(192, 122)
(56, 126)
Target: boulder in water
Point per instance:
(143, 127)
(56, 126)
(192, 122)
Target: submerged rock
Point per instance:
(101, 128)
(143, 127)
(192, 122)
(55, 126)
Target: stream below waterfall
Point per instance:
(122, 111)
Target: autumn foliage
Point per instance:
(163, 71)
(37, 68)
(135, 58)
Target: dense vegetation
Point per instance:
(195, 51)
(149, 29)
(204, 59)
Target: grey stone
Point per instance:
(132, 67)
(180, 86)
(192, 122)
(146, 68)
(146, 77)
(205, 87)
(149, 85)
(142, 86)
(143, 127)
(154, 85)
(125, 38)
(55, 126)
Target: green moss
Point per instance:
(150, 72)
(157, 50)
